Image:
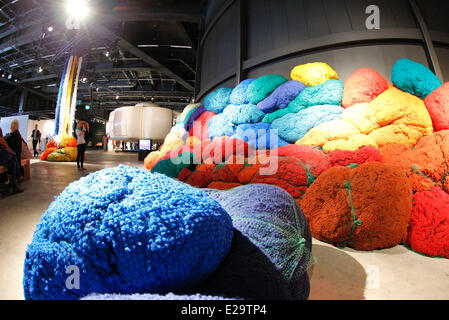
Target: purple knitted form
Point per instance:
(281, 97)
(194, 116)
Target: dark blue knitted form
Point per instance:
(128, 231)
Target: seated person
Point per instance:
(9, 161)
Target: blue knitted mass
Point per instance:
(238, 94)
(414, 78)
(217, 100)
(127, 231)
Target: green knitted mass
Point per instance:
(292, 108)
(264, 86)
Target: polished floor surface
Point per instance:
(395, 273)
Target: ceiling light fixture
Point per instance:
(40, 70)
(180, 47)
(50, 29)
(77, 8)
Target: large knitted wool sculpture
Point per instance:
(437, 103)
(329, 92)
(172, 166)
(127, 231)
(239, 93)
(217, 100)
(399, 117)
(185, 113)
(221, 125)
(188, 125)
(336, 135)
(365, 208)
(429, 224)
(294, 126)
(313, 74)
(362, 155)
(247, 273)
(414, 78)
(291, 108)
(200, 127)
(259, 136)
(66, 154)
(245, 113)
(262, 87)
(275, 223)
(363, 86)
(281, 97)
(426, 165)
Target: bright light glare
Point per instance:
(77, 8)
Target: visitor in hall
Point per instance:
(36, 136)
(9, 161)
(14, 141)
(80, 131)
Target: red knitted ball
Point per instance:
(364, 85)
(437, 103)
(429, 224)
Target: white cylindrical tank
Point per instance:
(143, 121)
(156, 121)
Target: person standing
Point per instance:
(81, 144)
(14, 141)
(36, 136)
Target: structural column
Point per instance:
(23, 97)
(242, 35)
(428, 44)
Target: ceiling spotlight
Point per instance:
(77, 8)
(117, 97)
(152, 98)
(40, 69)
(106, 53)
(15, 80)
(50, 29)
(84, 80)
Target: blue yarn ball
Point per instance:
(282, 96)
(244, 113)
(259, 136)
(217, 100)
(239, 93)
(329, 92)
(220, 125)
(294, 126)
(127, 231)
(414, 78)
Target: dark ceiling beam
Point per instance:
(12, 83)
(39, 78)
(127, 46)
(186, 36)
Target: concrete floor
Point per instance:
(395, 273)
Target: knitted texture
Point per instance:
(128, 231)
(47, 152)
(437, 103)
(172, 166)
(239, 93)
(193, 117)
(221, 125)
(200, 127)
(291, 108)
(393, 117)
(429, 223)
(281, 97)
(414, 78)
(363, 86)
(275, 223)
(259, 136)
(66, 154)
(365, 208)
(217, 100)
(313, 74)
(245, 113)
(329, 92)
(147, 296)
(187, 110)
(294, 126)
(247, 273)
(262, 87)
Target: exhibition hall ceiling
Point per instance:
(133, 51)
